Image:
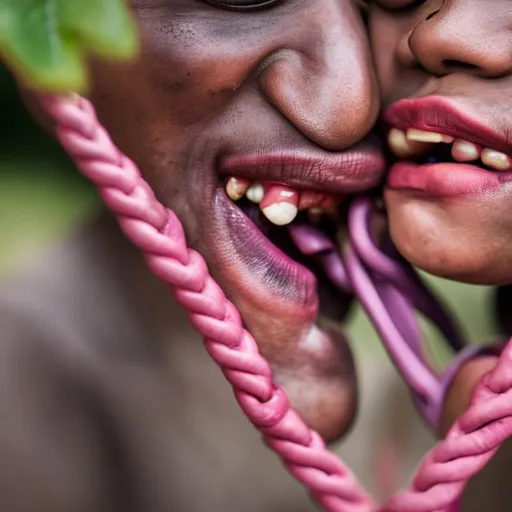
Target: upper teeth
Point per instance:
(415, 143)
(424, 136)
(255, 193)
(279, 203)
(464, 151)
(281, 213)
(236, 188)
(402, 146)
(496, 160)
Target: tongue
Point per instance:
(312, 242)
(309, 240)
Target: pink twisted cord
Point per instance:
(158, 233)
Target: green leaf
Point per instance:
(46, 42)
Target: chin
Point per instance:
(313, 362)
(445, 251)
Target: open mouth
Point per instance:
(441, 152)
(424, 147)
(269, 220)
(265, 202)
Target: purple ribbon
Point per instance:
(391, 292)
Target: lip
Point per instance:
(445, 179)
(250, 260)
(359, 168)
(266, 263)
(434, 113)
(353, 170)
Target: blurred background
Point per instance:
(42, 197)
(41, 194)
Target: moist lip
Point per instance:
(267, 263)
(279, 263)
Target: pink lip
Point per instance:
(440, 115)
(443, 179)
(437, 114)
(354, 170)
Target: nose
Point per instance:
(321, 77)
(462, 36)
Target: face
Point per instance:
(448, 196)
(242, 114)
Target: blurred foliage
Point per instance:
(46, 42)
(41, 194)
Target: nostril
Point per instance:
(431, 15)
(457, 64)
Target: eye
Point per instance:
(400, 5)
(243, 5)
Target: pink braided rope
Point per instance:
(158, 233)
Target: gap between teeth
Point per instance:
(416, 143)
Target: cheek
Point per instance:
(384, 40)
(465, 240)
(187, 73)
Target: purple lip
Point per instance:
(354, 170)
(267, 263)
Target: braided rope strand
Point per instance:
(158, 233)
(468, 447)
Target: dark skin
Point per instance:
(459, 50)
(292, 77)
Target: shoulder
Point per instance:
(53, 429)
(53, 434)
(76, 290)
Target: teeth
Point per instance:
(316, 213)
(280, 204)
(255, 192)
(280, 214)
(496, 160)
(402, 147)
(416, 143)
(425, 137)
(236, 188)
(464, 151)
